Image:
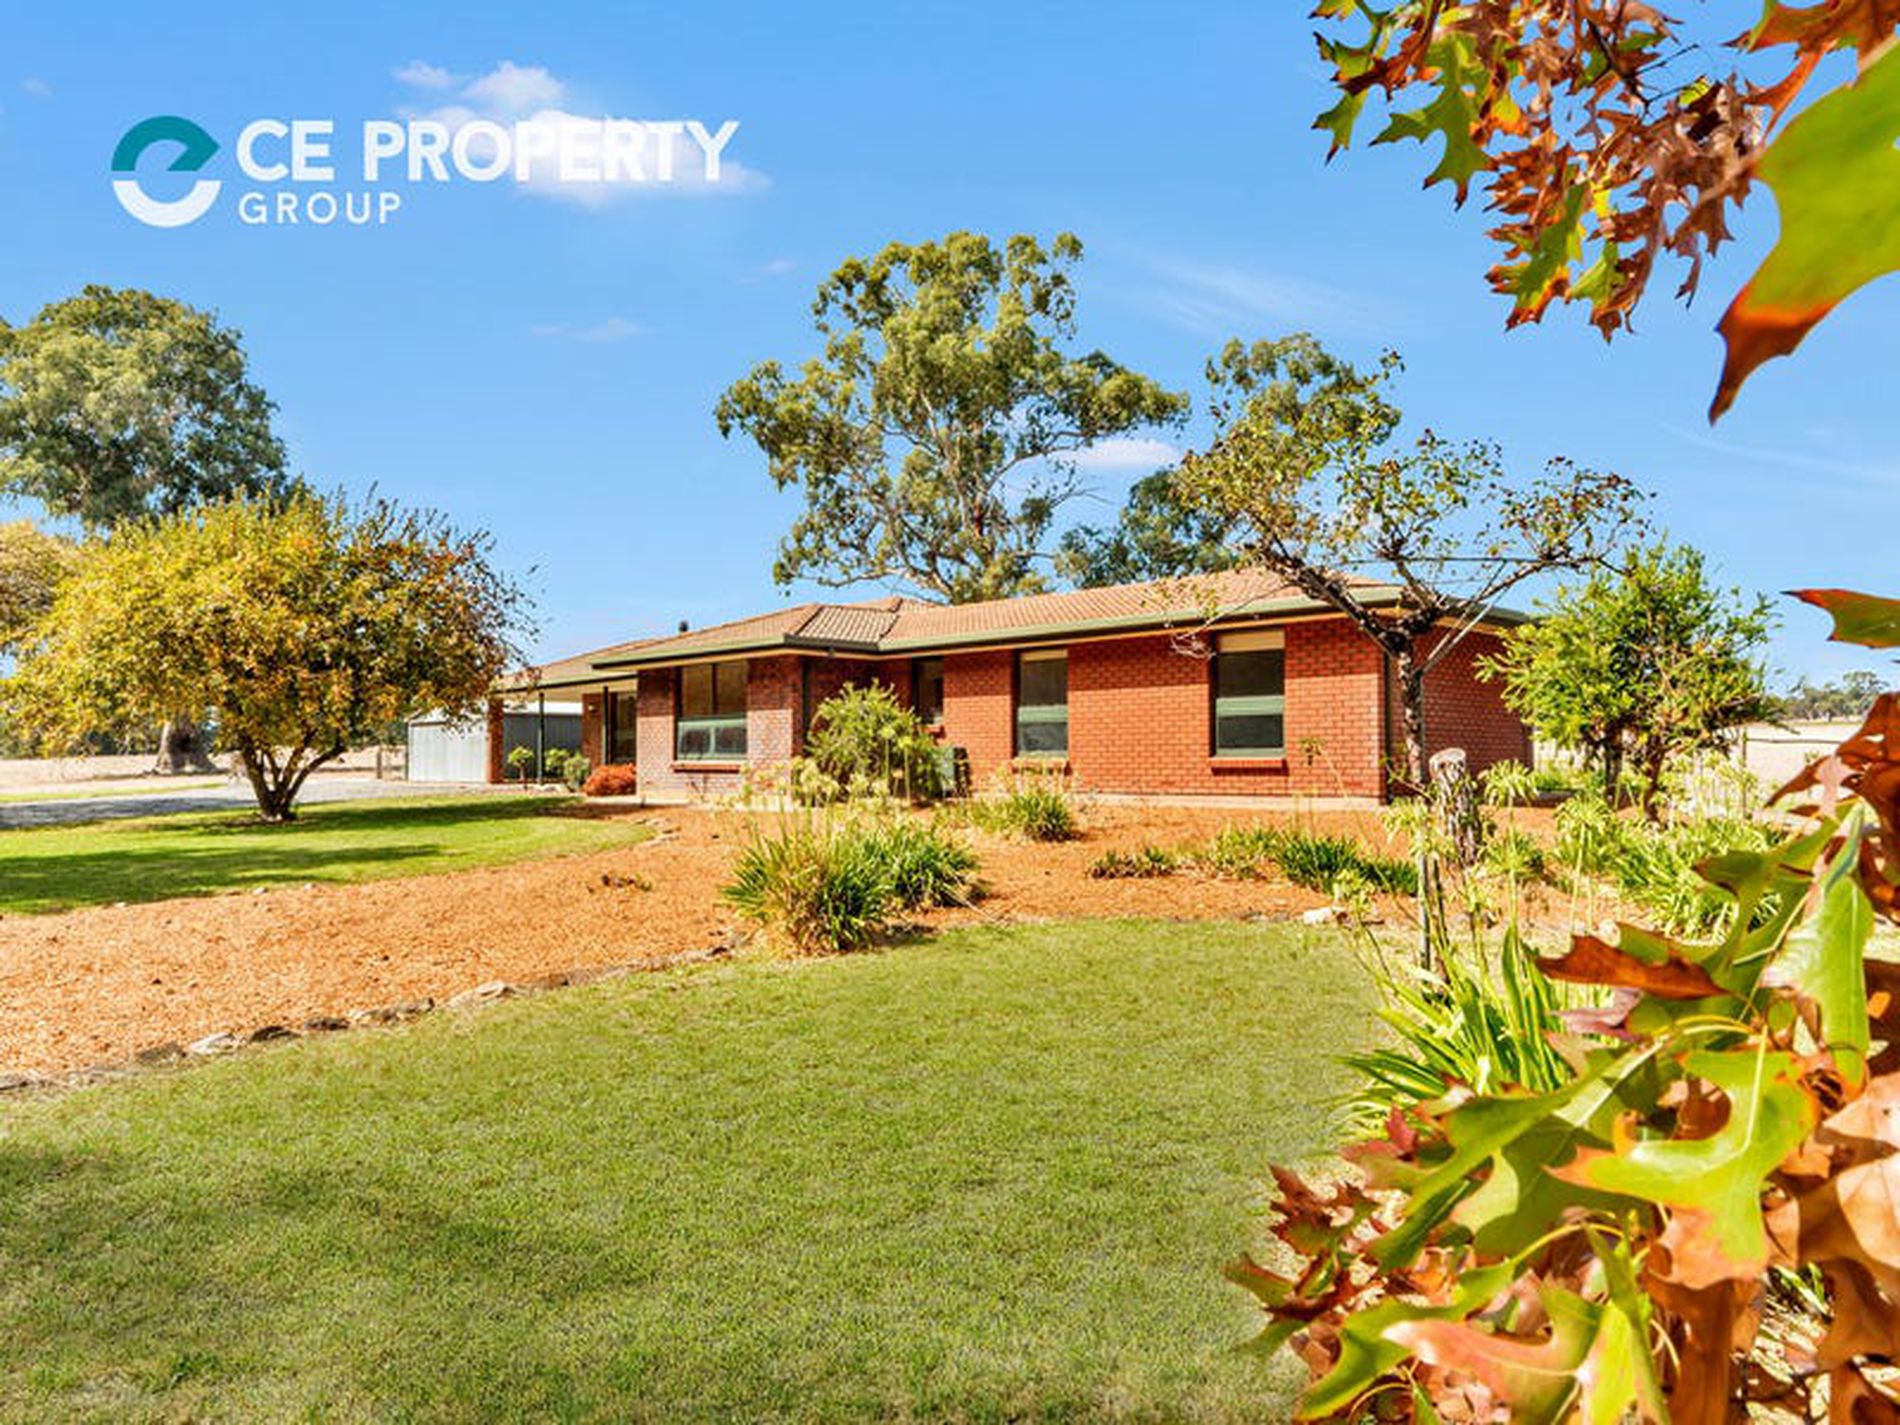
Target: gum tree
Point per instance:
(116, 405)
(306, 624)
(933, 436)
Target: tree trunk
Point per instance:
(1412, 717)
(276, 784)
(181, 748)
(1653, 762)
(1455, 803)
(1613, 769)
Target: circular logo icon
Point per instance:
(195, 150)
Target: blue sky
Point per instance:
(547, 367)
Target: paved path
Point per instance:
(159, 801)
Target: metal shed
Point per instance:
(441, 750)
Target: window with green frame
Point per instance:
(1042, 704)
(1250, 695)
(711, 721)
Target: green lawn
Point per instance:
(988, 1177)
(201, 853)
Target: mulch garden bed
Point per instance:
(103, 986)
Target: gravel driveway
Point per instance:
(71, 811)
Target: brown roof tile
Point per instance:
(898, 624)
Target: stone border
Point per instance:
(173, 1054)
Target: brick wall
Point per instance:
(979, 710)
(1141, 719)
(653, 724)
(1461, 711)
(497, 735)
(1140, 716)
(772, 734)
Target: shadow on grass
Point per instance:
(51, 869)
(40, 884)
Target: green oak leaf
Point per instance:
(1712, 1186)
(1451, 115)
(1476, 1133)
(1367, 1352)
(1593, 1366)
(1515, 1205)
(1858, 618)
(1823, 961)
(1836, 178)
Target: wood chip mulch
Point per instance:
(101, 986)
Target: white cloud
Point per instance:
(511, 90)
(420, 74)
(677, 157)
(1123, 453)
(1850, 472)
(1219, 300)
(611, 329)
(36, 88)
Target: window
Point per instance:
(1250, 695)
(1042, 704)
(711, 723)
(622, 743)
(926, 690)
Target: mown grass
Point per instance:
(988, 1177)
(202, 853)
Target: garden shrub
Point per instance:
(1143, 862)
(1515, 855)
(1464, 1022)
(812, 887)
(1304, 858)
(570, 767)
(610, 779)
(823, 883)
(1314, 861)
(928, 867)
(864, 743)
(1654, 865)
(1240, 852)
(1029, 805)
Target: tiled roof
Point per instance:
(857, 624)
(1165, 601)
(578, 668)
(894, 624)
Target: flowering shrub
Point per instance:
(865, 744)
(610, 779)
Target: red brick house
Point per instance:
(1231, 684)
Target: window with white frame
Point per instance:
(1250, 694)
